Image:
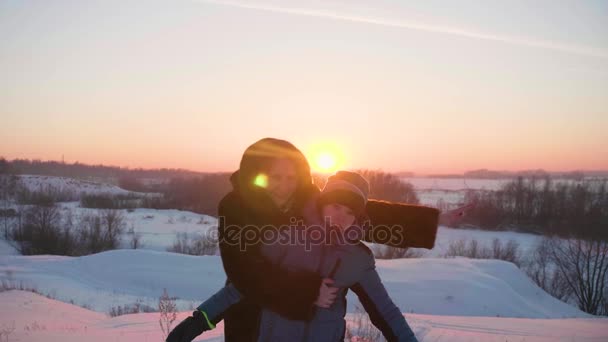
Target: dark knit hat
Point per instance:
(346, 188)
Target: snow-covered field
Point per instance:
(450, 191)
(69, 185)
(454, 184)
(157, 228)
(39, 319)
(445, 236)
(430, 286)
(433, 198)
(443, 299)
(446, 299)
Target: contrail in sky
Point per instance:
(536, 43)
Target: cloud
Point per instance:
(460, 32)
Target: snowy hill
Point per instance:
(443, 299)
(459, 286)
(448, 298)
(37, 318)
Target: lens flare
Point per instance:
(261, 180)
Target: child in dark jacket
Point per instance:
(331, 247)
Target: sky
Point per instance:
(425, 86)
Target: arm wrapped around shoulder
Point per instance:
(401, 225)
(258, 279)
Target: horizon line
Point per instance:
(415, 173)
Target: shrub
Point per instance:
(100, 232)
(41, 232)
(361, 329)
(168, 312)
(541, 269)
(46, 231)
(128, 309)
(205, 244)
(107, 201)
(388, 252)
(508, 252)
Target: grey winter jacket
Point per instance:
(349, 263)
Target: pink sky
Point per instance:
(425, 86)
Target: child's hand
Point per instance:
(189, 328)
(327, 294)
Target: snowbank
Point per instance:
(461, 286)
(39, 319)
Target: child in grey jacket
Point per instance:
(328, 244)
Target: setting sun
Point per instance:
(326, 157)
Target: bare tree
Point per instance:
(604, 306)
(584, 264)
(40, 232)
(6, 330)
(100, 232)
(386, 186)
(540, 268)
(114, 223)
(541, 205)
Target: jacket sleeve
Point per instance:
(401, 225)
(383, 313)
(220, 302)
(290, 294)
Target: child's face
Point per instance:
(339, 215)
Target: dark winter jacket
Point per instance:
(349, 263)
(249, 208)
(274, 288)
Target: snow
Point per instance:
(434, 197)
(69, 185)
(158, 228)
(443, 299)
(455, 299)
(492, 329)
(430, 286)
(39, 319)
(105, 280)
(7, 249)
(454, 184)
(446, 236)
